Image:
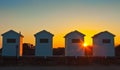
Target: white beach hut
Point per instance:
(103, 44)
(44, 43)
(74, 44)
(12, 43)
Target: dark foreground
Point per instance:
(60, 63)
(91, 67)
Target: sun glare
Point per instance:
(85, 45)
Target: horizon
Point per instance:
(60, 17)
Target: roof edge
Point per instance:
(73, 32)
(103, 32)
(12, 31)
(43, 31)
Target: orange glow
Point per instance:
(58, 40)
(88, 50)
(85, 45)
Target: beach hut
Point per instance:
(74, 44)
(44, 43)
(12, 43)
(103, 44)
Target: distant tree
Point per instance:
(117, 50)
(28, 49)
(28, 46)
(59, 51)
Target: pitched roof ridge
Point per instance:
(13, 31)
(102, 32)
(44, 31)
(73, 32)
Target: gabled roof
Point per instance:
(102, 33)
(12, 32)
(43, 31)
(73, 33)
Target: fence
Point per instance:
(68, 60)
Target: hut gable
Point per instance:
(73, 33)
(10, 32)
(44, 32)
(103, 33)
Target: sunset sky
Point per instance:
(60, 17)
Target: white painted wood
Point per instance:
(74, 49)
(43, 49)
(12, 49)
(103, 49)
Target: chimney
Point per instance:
(20, 32)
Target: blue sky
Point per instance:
(21, 3)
